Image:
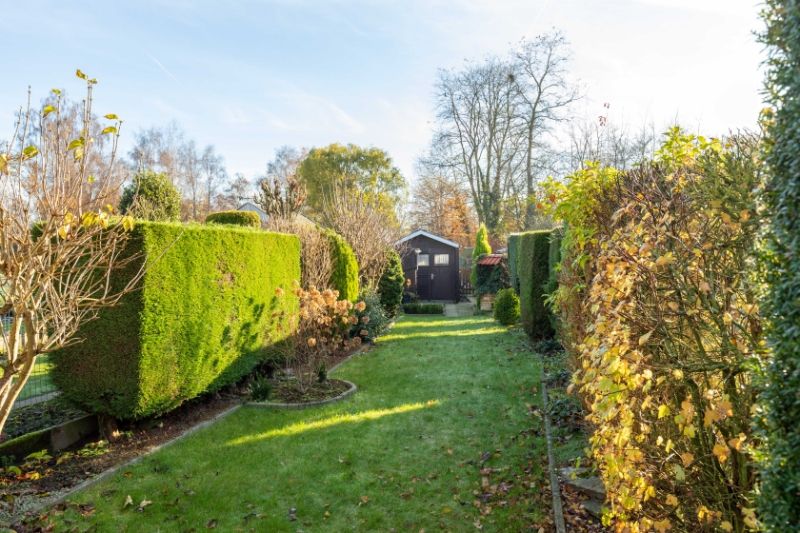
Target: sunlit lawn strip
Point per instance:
(439, 399)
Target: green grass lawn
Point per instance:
(442, 415)
(39, 383)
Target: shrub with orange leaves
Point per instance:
(321, 332)
(660, 282)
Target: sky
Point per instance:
(251, 76)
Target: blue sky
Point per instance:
(250, 76)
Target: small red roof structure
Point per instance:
(490, 259)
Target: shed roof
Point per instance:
(423, 233)
(490, 259)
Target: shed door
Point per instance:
(424, 283)
(442, 283)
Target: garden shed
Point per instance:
(430, 262)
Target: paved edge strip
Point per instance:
(555, 486)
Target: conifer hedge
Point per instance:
(513, 254)
(344, 277)
(236, 218)
(533, 271)
(780, 491)
(205, 315)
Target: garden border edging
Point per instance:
(349, 392)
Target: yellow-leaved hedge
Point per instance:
(659, 290)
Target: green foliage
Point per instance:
(423, 309)
(553, 265)
(780, 501)
(235, 218)
(151, 196)
(373, 319)
(533, 271)
(204, 316)
(391, 285)
(482, 247)
(491, 278)
(344, 277)
(506, 307)
(513, 254)
(337, 169)
(261, 388)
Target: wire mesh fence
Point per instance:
(39, 385)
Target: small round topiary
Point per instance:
(236, 218)
(506, 307)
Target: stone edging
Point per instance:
(349, 392)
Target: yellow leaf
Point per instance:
(726, 526)
(721, 451)
(662, 525)
(672, 500)
(663, 410)
(665, 259)
(644, 338)
(673, 306)
(687, 458)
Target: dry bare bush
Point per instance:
(368, 230)
(316, 260)
(59, 241)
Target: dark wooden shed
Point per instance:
(430, 262)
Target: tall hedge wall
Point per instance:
(344, 277)
(205, 316)
(513, 254)
(533, 272)
(779, 502)
(553, 259)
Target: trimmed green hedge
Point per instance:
(344, 277)
(779, 497)
(423, 309)
(237, 218)
(533, 272)
(391, 284)
(506, 307)
(553, 260)
(205, 315)
(513, 254)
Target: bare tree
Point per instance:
(369, 230)
(214, 174)
(545, 94)
(477, 108)
(237, 189)
(59, 245)
(315, 249)
(608, 143)
(284, 165)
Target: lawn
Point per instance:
(442, 434)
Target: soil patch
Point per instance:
(287, 391)
(25, 486)
(40, 416)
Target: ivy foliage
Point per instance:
(780, 470)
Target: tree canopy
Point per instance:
(337, 169)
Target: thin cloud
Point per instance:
(162, 67)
